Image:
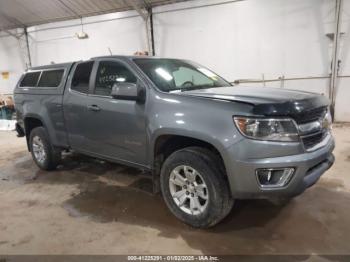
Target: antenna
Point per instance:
(110, 51)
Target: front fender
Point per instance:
(208, 120)
(212, 140)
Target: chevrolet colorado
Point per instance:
(205, 141)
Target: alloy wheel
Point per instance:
(188, 190)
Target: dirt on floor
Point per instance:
(89, 206)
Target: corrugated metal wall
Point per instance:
(21, 13)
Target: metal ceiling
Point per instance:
(25, 13)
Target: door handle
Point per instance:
(94, 108)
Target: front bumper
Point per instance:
(309, 167)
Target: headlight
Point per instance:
(268, 129)
(327, 120)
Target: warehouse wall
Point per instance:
(343, 90)
(257, 39)
(246, 39)
(239, 39)
(122, 32)
(10, 61)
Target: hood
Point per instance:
(265, 101)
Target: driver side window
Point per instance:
(109, 73)
(187, 76)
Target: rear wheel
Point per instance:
(44, 154)
(194, 187)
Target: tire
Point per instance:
(51, 156)
(203, 167)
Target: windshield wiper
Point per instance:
(195, 87)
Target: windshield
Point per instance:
(174, 75)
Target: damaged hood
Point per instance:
(265, 101)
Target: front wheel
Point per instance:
(194, 188)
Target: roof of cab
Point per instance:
(52, 66)
(68, 65)
(127, 57)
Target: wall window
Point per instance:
(110, 73)
(30, 79)
(51, 78)
(81, 78)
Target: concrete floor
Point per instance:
(91, 207)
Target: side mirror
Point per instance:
(128, 91)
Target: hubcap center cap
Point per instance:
(191, 188)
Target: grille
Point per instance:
(311, 115)
(314, 139)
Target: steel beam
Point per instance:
(12, 34)
(152, 31)
(27, 46)
(335, 54)
(12, 20)
(145, 11)
(141, 10)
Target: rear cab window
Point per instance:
(81, 78)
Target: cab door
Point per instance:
(75, 105)
(115, 128)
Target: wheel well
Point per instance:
(29, 124)
(167, 144)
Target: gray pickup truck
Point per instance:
(205, 142)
